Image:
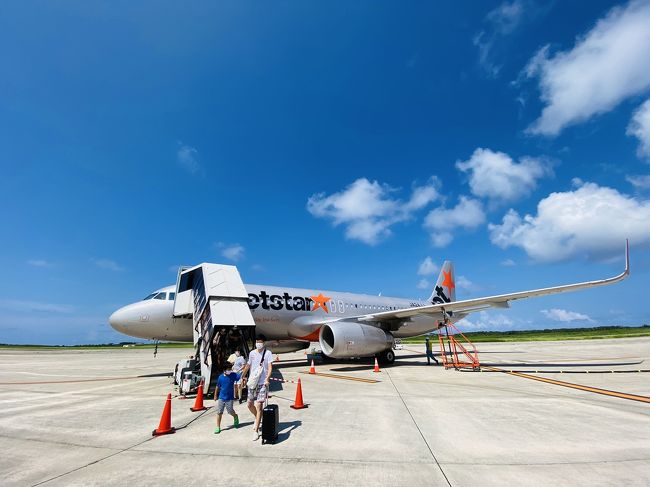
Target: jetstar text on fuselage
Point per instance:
(288, 302)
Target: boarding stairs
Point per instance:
(214, 296)
(456, 350)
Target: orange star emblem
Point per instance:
(320, 301)
(448, 281)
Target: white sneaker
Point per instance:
(256, 435)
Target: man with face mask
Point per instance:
(225, 388)
(260, 364)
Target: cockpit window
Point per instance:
(150, 296)
(162, 296)
(172, 296)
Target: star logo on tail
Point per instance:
(448, 282)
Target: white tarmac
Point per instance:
(62, 423)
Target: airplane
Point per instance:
(345, 324)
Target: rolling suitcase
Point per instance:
(270, 423)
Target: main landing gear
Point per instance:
(387, 356)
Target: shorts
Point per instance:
(238, 383)
(221, 404)
(258, 394)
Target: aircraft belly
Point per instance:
(178, 330)
(419, 325)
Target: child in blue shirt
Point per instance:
(226, 394)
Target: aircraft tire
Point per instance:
(387, 356)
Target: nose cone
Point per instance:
(118, 320)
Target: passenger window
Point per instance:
(162, 296)
(172, 296)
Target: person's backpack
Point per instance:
(254, 378)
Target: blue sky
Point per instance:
(325, 145)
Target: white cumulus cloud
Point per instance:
(424, 284)
(465, 284)
(495, 175)
(442, 222)
(427, 267)
(486, 321)
(564, 315)
(368, 210)
(233, 252)
(591, 220)
(608, 64)
(640, 182)
(639, 127)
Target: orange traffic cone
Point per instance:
(165, 427)
(376, 366)
(198, 402)
(312, 369)
(299, 404)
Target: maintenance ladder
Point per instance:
(453, 353)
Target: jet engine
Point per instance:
(343, 339)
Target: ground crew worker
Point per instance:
(225, 389)
(260, 364)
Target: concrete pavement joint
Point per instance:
(117, 452)
(418, 428)
(90, 463)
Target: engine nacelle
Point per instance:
(343, 339)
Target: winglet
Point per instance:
(627, 257)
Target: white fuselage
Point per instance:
(279, 313)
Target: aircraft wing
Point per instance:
(499, 301)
